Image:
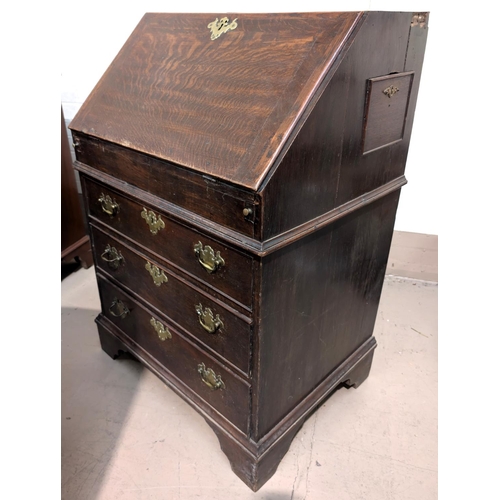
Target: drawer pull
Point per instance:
(113, 257)
(156, 273)
(154, 223)
(160, 329)
(108, 205)
(118, 309)
(210, 260)
(207, 320)
(210, 378)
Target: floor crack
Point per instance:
(311, 451)
(296, 475)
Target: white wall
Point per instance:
(95, 32)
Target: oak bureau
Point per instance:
(241, 175)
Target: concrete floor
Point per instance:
(125, 435)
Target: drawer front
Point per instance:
(212, 324)
(214, 383)
(219, 266)
(219, 202)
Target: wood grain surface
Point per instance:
(174, 243)
(325, 167)
(319, 303)
(223, 107)
(217, 201)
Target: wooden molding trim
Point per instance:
(232, 237)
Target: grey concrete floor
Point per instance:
(125, 435)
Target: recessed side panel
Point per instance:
(385, 110)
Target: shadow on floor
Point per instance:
(96, 394)
(69, 267)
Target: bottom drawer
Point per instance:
(213, 382)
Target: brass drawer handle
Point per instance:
(113, 257)
(210, 378)
(154, 223)
(160, 329)
(207, 320)
(210, 260)
(108, 205)
(156, 273)
(121, 309)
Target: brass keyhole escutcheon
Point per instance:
(210, 378)
(390, 91)
(160, 329)
(207, 319)
(156, 273)
(154, 222)
(210, 260)
(113, 257)
(108, 205)
(219, 27)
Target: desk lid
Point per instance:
(221, 100)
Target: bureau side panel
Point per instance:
(325, 166)
(319, 303)
(364, 170)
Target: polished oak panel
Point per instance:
(246, 86)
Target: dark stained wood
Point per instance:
(74, 240)
(175, 243)
(248, 86)
(179, 356)
(108, 330)
(385, 110)
(360, 372)
(254, 469)
(319, 302)
(201, 194)
(111, 345)
(362, 173)
(255, 463)
(176, 299)
(285, 116)
(224, 234)
(176, 212)
(325, 167)
(414, 62)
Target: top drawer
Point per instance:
(221, 203)
(219, 266)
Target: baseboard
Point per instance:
(414, 255)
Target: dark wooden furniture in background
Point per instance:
(241, 178)
(75, 243)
